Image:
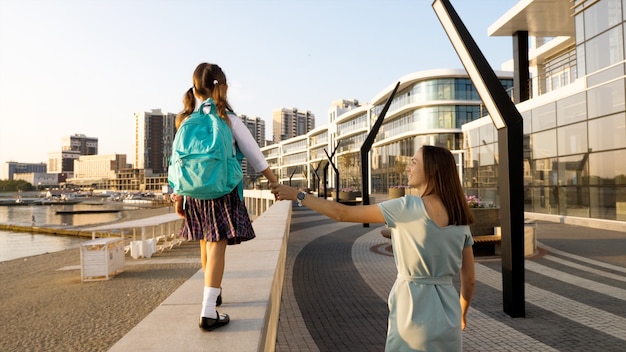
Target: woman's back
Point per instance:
(422, 247)
(424, 310)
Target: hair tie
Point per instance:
(215, 82)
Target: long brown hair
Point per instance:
(209, 81)
(443, 180)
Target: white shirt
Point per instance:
(246, 143)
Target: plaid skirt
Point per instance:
(217, 219)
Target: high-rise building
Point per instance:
(154, 134)
(291, 122)
(80, 143)
(72, 147)
(256, 126)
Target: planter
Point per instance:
(485, 221)
(349, 195)
(396, 193)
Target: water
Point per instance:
(14, 245)
(23, 215)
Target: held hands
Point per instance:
(272, 185)
(282, 192)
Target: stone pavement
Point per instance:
(338, 277)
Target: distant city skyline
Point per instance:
(87, 67)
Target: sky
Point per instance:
(86, 66)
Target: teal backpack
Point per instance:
(204, 164)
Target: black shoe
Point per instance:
(210, 324)
(218, 302)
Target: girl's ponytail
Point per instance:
(189, 105)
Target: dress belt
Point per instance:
(444, 280)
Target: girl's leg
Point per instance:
(213, 274)
(203, 255)
(215, 260)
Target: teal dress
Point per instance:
(424, 307)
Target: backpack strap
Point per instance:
(208, 103)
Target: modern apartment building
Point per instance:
(80, 143)
(430, 107)
(574, 113)
(72, 147)
(256, 126)
(291, 122)
(154, 134)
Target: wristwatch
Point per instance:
(300, 197)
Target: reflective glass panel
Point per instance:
(571, 109)
(544, 117)
(604, 50)
(601, 16)
(608, 168)
(607, 132)
(543, 144)
(607, 99)
(573, 170)
(572, 139)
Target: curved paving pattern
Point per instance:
(338, 278)
(339, 308)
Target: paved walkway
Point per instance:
(338, 277)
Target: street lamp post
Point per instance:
(508, 122)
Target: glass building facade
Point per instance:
(574, 121)
(429, 108)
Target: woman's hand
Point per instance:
(272, 185)
(282, 192)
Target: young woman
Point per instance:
(431, 243)
(224, 221)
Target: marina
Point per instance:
(60, 215)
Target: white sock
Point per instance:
(208, 302)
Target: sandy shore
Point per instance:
(46, 307)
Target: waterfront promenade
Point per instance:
(336, 280)
(339, 276)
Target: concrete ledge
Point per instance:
(252, 288)
(611, 225)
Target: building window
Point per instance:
(571, 109)
(605, 100)
(608, 132)
(604, 50)
(544, 117)
(572, 139)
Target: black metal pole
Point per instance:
(330, 161)
(508, 121)
(511, 172)
(367, 146)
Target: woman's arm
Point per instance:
(369, 214)
(468, 282)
